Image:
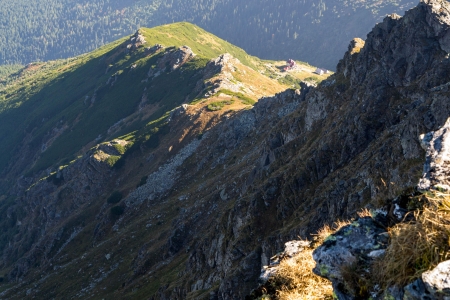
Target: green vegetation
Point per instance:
(117, 210)
(218, 105)
(112, 160)
(7, 70)
(34, 31)
(115, 197)
(313, 79)
(201, 42)
(418, 245)
(72, 103)
(291, 81)
(120, 148)
(244, 99)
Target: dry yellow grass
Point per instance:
(414, 247)
(419, 245)
(364, 213)
(297, 280)
(323, 233)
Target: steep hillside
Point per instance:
(82, 133)
(191, 205)
(313, 31)
(79, 100)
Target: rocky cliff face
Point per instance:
(215, 208)
(323, 154)
(352, 142)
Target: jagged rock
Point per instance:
(355, 244)
(171, 61)
(415, 291)
(136, 40)
(433, 285)
(392, 293)
(175, 59)
(436, 171)
(437, 281)
(217, 75)
(159, 182)
(155, 48)
(178, 111)
(400, 49)
(306, 87)
(223, 62)
(354, 48)
(223, 195)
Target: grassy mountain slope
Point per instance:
(188, 202)
(61, 161)
(191, 202)
(71, 98)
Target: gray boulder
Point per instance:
(353, 245)
(437, 281)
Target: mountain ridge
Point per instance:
(65, 199)
(313, 31)
(216, 202)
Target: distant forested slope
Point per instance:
(316, 31)
(51, 29)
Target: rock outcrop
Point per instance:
(136, 40)
(207, 217)
(171, 60)
(436, 171)
(350, 250)
(217, 75)
(351, 142)
(401, 53)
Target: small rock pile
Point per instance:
(136, 40)
(171, 60)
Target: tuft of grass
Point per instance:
(112, 160)
(418, 245)
(120, 148)
(326, 231)
(297, 281)
(364, 213)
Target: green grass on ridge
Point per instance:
(45, 98)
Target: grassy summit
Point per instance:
(59, 107)
(71, 96)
